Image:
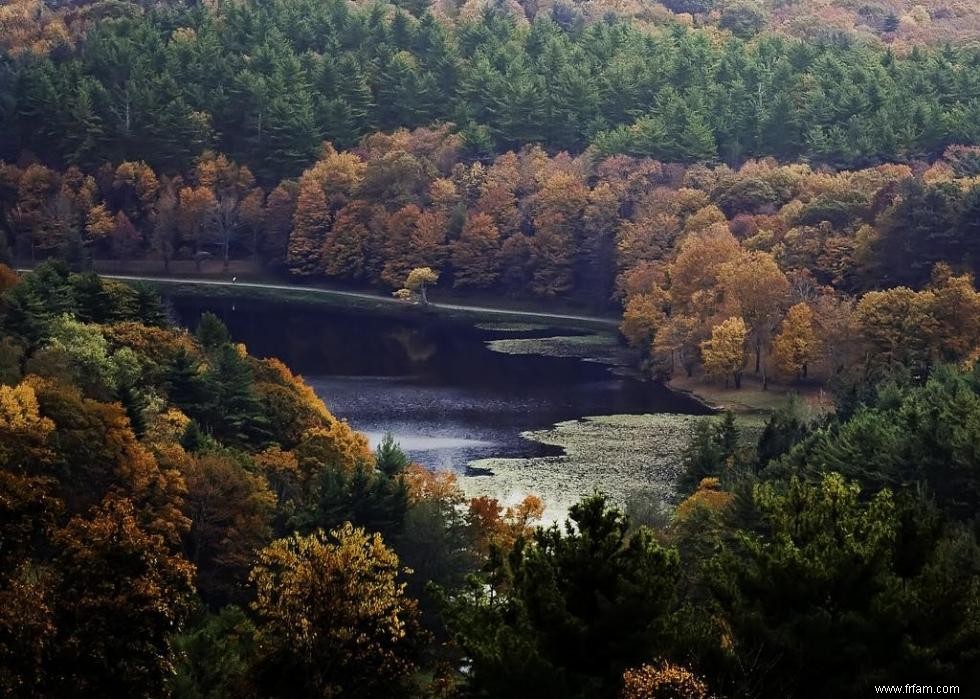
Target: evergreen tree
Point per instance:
(238, 415)
(211, 333)
(148, 306)
(389, 457)
(187, 386)
(135, 404)
(576, 608)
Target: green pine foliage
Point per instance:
(581, 605)
(164, 84)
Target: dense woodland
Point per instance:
(267, 83)
(770, 189)
(549, 153)
(179, 517)
(811, 271)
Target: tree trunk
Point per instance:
(738, 380)
(425, 299)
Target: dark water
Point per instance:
(432, 382)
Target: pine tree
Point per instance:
(238, 414)
(211, 333)
(389, 457)
(85, 141)
(187, 387)
(148, 306)
(135, 404)
(519, 109)
(397, 92)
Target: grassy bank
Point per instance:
(180, 288)
(376, 304)
(751, 399)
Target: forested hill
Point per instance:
(554, 152)
(267, 82)
(180, 518)
(794, 185)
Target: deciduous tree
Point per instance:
(724, 354)
(312, 593)
(120, 595)
(796, 346)
(643, 316)
(420, 278)
(756, 290)
(474, 253)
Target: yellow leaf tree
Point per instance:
(956, 315)
(333, 618)
(724, 354)
(699, 261)
(644, 314)
(756, 290)
(420, 278)
(121, 594)
(896, 325)
(99, 224)
(796, 345)
(662, 680)
(196, 212)
(677, 342)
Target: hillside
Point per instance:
(180, 518)
(776, 196)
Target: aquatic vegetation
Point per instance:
(616, 454)
(599, 347)
(505, 327)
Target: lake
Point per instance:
(434, 383)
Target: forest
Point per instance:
(814, 268)
(267, 83)
(181, 518)
(538, 158)
(761, 191)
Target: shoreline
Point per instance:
(388, 307)
(216, 285)
(363, 300)
(751, 400)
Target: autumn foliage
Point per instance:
(306, 611)
(663, 680)
(142, 470)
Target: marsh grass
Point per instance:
(502, 327)
(616, 454)
(597, 347)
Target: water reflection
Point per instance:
(431, 382)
